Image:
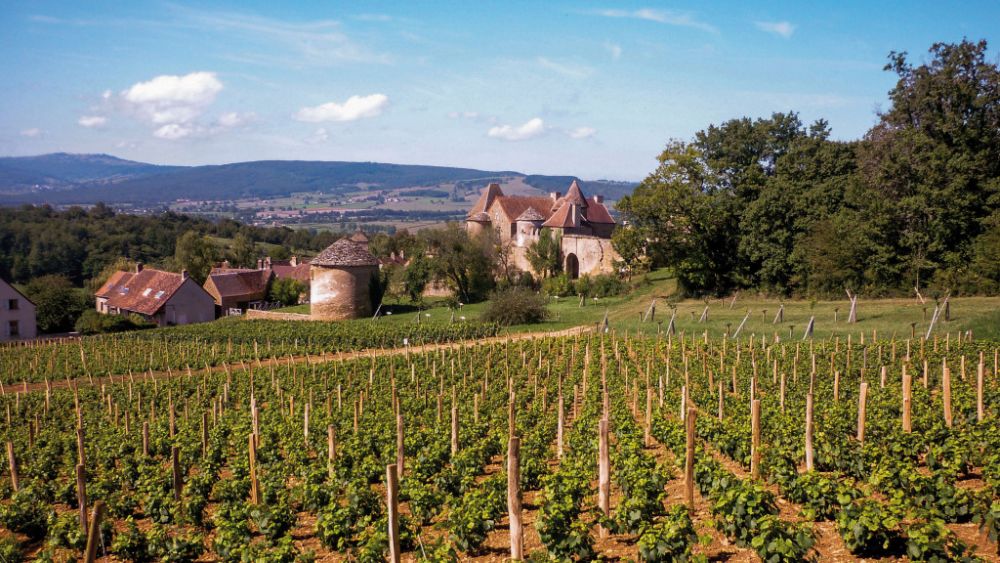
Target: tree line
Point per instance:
(776, 205)
(81, 244)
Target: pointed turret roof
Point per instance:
(574, 195)
(530, 214)
(345, 252)
(491, 192)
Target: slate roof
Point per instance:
(531, 214)
(142, 292)
(345, 252)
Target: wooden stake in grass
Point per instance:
(392, 503)
(514, 498)
(755, 439)
(809, 432)
(94, 532)
(689, 458)
(862, 407)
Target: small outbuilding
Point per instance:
(341, 280)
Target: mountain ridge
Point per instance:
(65, 178)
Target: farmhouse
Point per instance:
(583, 225)
(164, 298)
(341, 279)
(237, 289)
(17, 314)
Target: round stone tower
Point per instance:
(341, 280)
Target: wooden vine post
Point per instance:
(331, 448)
(145, 439)
(946, 395)
(689, 458)
(94, 532)
(809, 432)
(560, 424)
(980, 376)
(755, 439)
(399, 447)
(862, 407)
(254, 488)
(12, 462)
(454, 427)
(81, 496)
(514, 498)
(603, 471)
(907, 400)
(175, 463)
(648, 431)
(392, 503)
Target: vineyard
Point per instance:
(574, 447)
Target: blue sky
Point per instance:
(593, 89)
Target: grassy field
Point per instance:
(887, 317)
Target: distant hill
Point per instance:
(68, 179)
(68, 171)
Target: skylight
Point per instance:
(159, 294)
(147, 292)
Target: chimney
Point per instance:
(138, 267)
(598, 199)
(267, 262)
(260, 264)
(184, 274)
(294, 261)
(555, 196)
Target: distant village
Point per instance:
(339, 278)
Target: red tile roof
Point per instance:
(514, 206)
(299, 272)
(239, 284)
(143, 292)
(561, 219)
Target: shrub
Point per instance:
(515, 306)
(559, 286)
(92, 322)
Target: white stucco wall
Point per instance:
(23, 314)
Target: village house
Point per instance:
(165, 298)
(583, 225)
(17, 315)
(235, 289)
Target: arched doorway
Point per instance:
(572, 266)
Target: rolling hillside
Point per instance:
(70, 179)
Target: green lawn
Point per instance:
(887, 317)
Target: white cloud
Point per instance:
(582, 133)
(373, 17)
(570, 70)
(783, 28)
(174, 131)
(31, 133)
(171, 99)
(528, 130)
(319, 136)
(669, 17)
(235, 119)
(356, 107)
(91, 121)
(614, 49)
(464, 115)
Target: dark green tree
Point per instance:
(545, 254)
(197, 254)
(57, 303)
